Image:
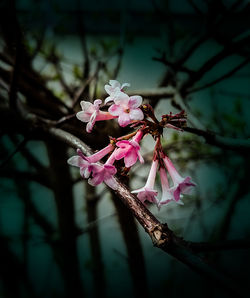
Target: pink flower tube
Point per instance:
(88, 165)
(167, 192)
(91, 113)
(147, 192)
(181, 185)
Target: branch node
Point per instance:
(161, 235)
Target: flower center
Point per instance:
(127, 110)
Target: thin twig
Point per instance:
(225, 76)
(11, 155)
(241, 145)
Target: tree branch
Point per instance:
(241, 145)
(161, 236)
(225, 76)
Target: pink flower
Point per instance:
(126, 108)
(147, 192)
(129, 150)
(112, 89)
(167, 192)
(104, 173)
(81, 162)
(84, 162)
(181, 185)
(91, 113)
(100, 173)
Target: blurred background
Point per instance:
(59, 236)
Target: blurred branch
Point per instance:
(82, 35)
(95, 244)
(54, 59)
(62, 188)
(220, 245)
(173, 65)
(32, 85)
(225, 76)
(135, 257)
(154, 94)
(10, 156)
(240, 145)
(26, 176)
(195, 7)
(83, 90)
(210, 63)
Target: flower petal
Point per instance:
(125, 85)
(109, 169)
(97, 103)
(86, 106)
(136, 114)
(91, 122)
(124, 119)
(140, 157)
(108, 99)
(96, 180)
(114, 84)
(124, 144)
(134, 101)
(121, 98)
(119, 153)
(83, 116)
(85, 172)
(115, 110)
(111, 182)
(75, 161)
(130, 159)
(108, 89)
(138, 190)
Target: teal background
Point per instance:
(218, 208)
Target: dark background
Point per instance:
(60, 237)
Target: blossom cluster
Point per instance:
(125, 108)
(129, 111)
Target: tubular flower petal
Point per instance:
(91, 113)
(147, 192)
(181, 185)
(167, 193)
(99, 155)
(112, 89)
(126, 108)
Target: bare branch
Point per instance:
(165, 92)
(209, 64)
(241, 145)
(225, 76)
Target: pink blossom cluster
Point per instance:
(89, 166)
(125, 108)
(180, 185)
(129, 110)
